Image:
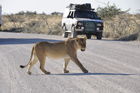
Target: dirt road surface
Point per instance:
(114, 67)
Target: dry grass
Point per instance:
(49, 24)
(132, 37)
(122, 26)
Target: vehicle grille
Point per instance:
(90, 26)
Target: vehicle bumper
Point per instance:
(81, 32)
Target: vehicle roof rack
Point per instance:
(86, 6)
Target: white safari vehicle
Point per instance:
(0, 16)
(81, 19)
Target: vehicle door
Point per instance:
(70, 20)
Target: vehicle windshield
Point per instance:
(86, 14)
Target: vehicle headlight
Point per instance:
(80, 24)
(99, 24)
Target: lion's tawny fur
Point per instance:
(63, 49)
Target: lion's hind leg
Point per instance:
(66, 64)
(34, 60)
(42, 60)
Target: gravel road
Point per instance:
(114, 67)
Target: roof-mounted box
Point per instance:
(86, 6)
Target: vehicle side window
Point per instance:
(70, 15)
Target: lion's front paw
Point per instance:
(85, 71)
(47, 72)
(66, 71)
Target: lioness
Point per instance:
(63, 49)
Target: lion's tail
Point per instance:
(23, 66)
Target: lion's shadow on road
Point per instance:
(8, 41)
(90, 74)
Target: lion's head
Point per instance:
(81, 43)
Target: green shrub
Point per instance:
(108, 11)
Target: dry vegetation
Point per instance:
(124, 26)
(32, 23)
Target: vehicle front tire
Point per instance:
(99, 36)
(88, 36)
(73, 32)
(65, 34)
